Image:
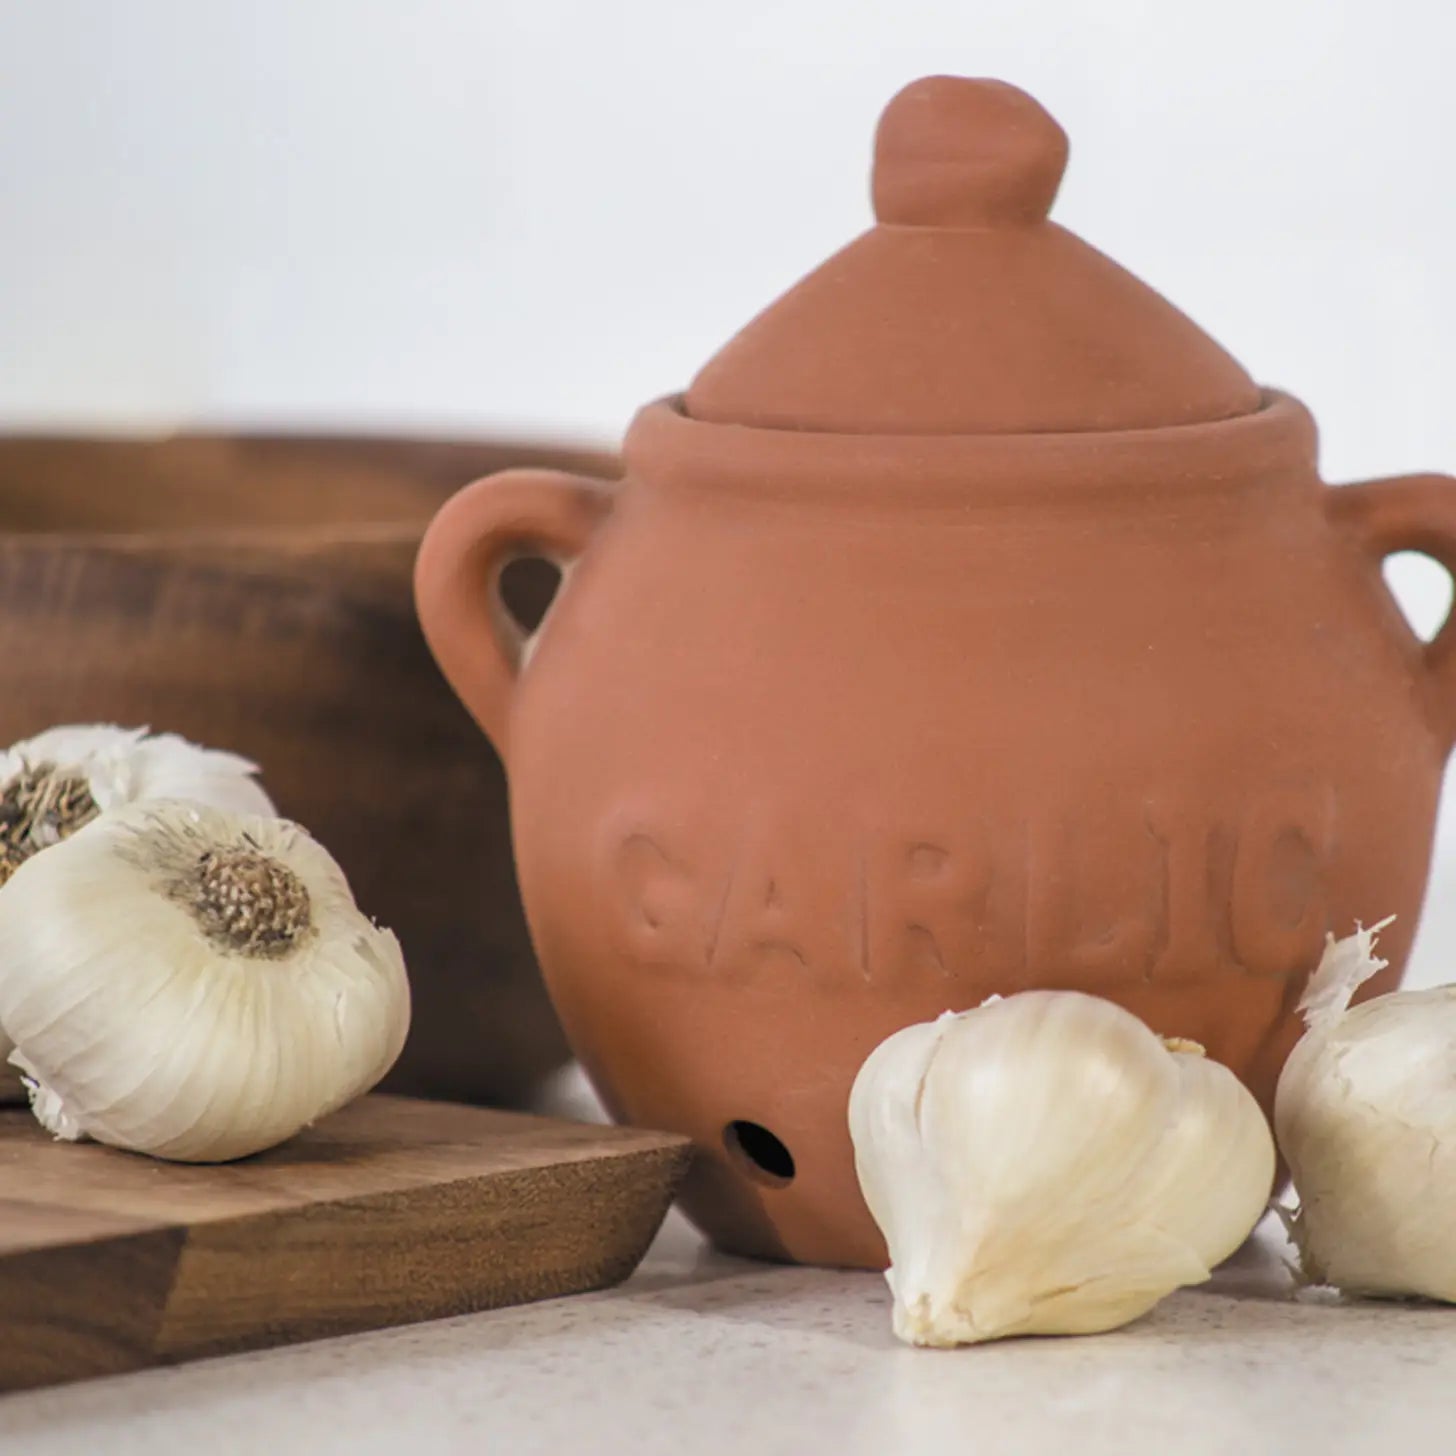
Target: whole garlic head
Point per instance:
(57, 782)
(1045, 1164)
(192, 983)
(1366, 1117)
(97, 766)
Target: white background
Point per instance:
(534, 214)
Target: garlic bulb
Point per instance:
(1365, 1113)
(194, 984)
(1045, 1164)
(53, 784)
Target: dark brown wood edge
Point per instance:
(171, 1294)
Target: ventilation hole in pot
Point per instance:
(527, 586)
(759, 1154)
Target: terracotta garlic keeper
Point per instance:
(973, 623)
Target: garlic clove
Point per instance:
(1365, 1114)
(1045, 1164)
(194, 984)
(902, 1187)
(1215, 1168)
(1070, 1293)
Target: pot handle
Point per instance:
(1412, 513)
(478, 644)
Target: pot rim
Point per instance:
(1274, 445)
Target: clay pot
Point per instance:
(974, 623)
(254, 593)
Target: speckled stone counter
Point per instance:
(704, 1354)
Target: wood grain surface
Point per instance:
(389, 1212)
(253, 593)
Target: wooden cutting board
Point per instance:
(388, 1212)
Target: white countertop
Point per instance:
(699, 1354)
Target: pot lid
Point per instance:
(964, 310)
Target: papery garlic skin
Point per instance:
(123, 766)
(1365, 1114)
(1045, 1164)
(163, 1002)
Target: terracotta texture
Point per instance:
(1032, 652)
(965, 311)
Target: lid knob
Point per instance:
(959, 153)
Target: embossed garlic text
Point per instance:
(1156, 895)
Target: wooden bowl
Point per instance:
(253, 593)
